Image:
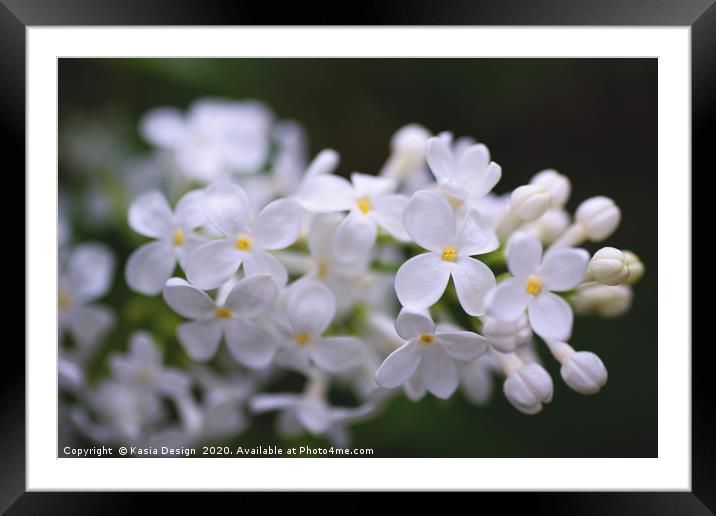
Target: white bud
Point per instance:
(584, 372)
(550, 226)
(506, 336)
(636, 268)
(603, 300)
(609, 267)
(528, 388)
(556, 184)
(409, 145)
(599, 217)
(529, 202)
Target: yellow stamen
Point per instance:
(364, 204)
(222, 312)
(178, 238)
(63, 300)
(243, 243)
(450, 254)
(534, 285)
(426, 339)
(303, 339)
(322, 270)
(144, 375)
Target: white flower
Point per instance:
(151, 265)
(431, 223)
(86, 276)
(604, 300)
(598, 217)
(609, 267)
(142, 367)
(215, 138)
(370, 202)
(408, 147)
(312, 413)
(235, 319)
(534, 281)
(466, 175)
(529, 387)
(307, 309)
(227, 208)
(430, 350)
(556, 184)
(549, 227)
(583, 371)
(529, 202)
(506, 336)
(476, 379)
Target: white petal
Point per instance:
(524, 253)
(421, 281)
(149, 267)
(90, 269)
(564, 268)
(477, 381)
(311, 307)
(212, 264)
(278, 225)
(429, 220)
(89, 323)
(252, 296)
(200, 340)
(325, 162)
(150, 215)
(337, 354)
(142, 346)
(462, 345)
(473, 280)
(325, 194)
(320, 232)
(372, 186)
(268, 402)
(551, 317)
(414, 388)
(163, 126)
(296, 359)
(440, 158)
(227, 208)
(389, 211)
(187, 300)
(476, 236)
(439, 372)
(261, 262)
(508, 301)
(411, 322)
(189, 213)
(314, 415)
(473, 162)
(172, 382)
(398, 367)
(354, 238)
(249, 344)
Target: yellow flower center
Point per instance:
(178, 239)
(426, 338)
(63, 300)
(534, 285)
(322, 270)
(450, 254)
(243, 243)
(145, 375)
(303, 339)
(222, 312)
(364, 204)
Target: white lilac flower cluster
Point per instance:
(276, 264)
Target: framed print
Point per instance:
(441, 249)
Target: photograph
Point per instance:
(357, 257)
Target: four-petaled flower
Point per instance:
(431, 350)
(431, 223)
(236, 319)
(246, 239)
(535, 278)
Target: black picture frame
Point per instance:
(17, 15)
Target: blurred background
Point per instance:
(594, 120)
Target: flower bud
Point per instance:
(550, 226)
(529, 202)
(506, 336)
(604, 300)
(528, 388)
(584, 372)
(409, 145)
(556, 184)
(609, 267)
(636, 268)
(599, 217)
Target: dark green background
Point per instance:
(593, 119)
